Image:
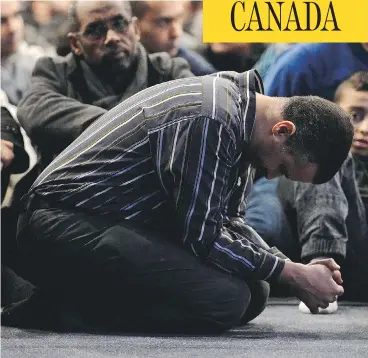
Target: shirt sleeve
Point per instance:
(203, 191)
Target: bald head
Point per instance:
(90, 7)
(83, 10)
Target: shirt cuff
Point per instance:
(271, 267)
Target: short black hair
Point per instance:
(323, 134)
(73, 19)
(139, 8)
(358, 82)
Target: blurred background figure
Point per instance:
(192, 37)
(269, 57)
(161, 25)
(315, 69)
(237, 57)
(17, 56)
(194, 20)
(45, 18)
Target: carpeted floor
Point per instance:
(281, 331)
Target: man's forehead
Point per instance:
(89, 11)
(9, 8)
(166, 8)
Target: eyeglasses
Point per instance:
(96, 31)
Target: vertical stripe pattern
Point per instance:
(171, 158)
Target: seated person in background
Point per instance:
(14, 160)
(330, 220)
(269, 57)
(315, 69)
(193, 27)
(45, 18)
(17, 57)
(237, 57)
(138, 225)
(194, 19)
(161, 27)
(106, 66)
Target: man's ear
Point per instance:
(284, 128)
(73, 41)
(137, 28)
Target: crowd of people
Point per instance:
(154, 183)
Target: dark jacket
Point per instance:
(66, 97)
(326, 216)
(198, 64)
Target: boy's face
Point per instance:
(356, 103)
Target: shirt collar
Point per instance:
(249, 83)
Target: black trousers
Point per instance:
(124, 279)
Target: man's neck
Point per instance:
(268, 113)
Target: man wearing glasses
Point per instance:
(106, 66)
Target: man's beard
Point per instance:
(113, 65)
(118, 73)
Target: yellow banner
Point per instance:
(285, 21)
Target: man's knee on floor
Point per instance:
(230, 305)
(259, 292)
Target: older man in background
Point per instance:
(106, 66)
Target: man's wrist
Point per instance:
(289, 273)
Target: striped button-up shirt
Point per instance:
(173, 158)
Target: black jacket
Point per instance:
(66, 97)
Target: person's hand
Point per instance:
(7, 153)
(332, 265)
(314, 284)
